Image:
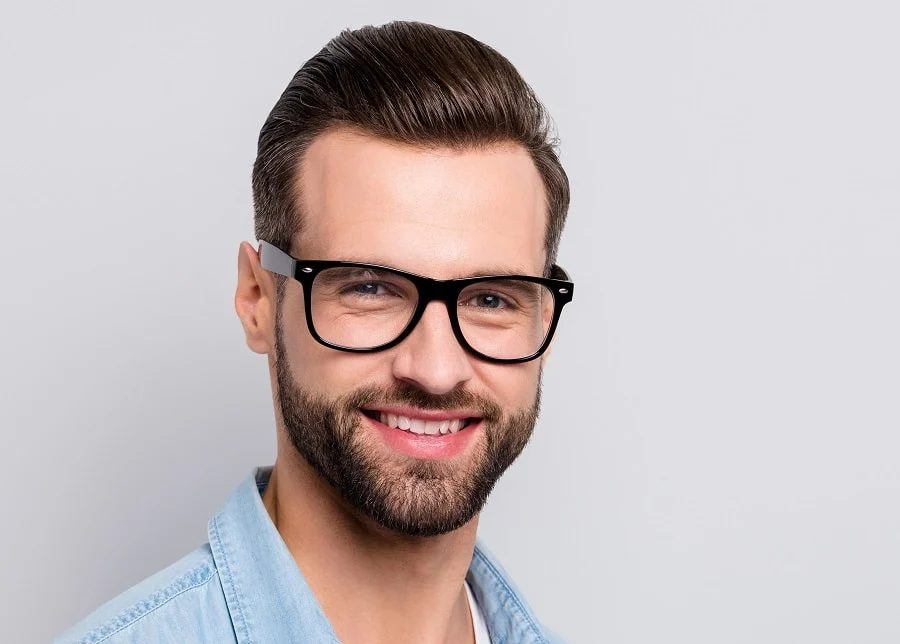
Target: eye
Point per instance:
(486, 301)
(367, 288)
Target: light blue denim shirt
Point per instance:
(244, 587)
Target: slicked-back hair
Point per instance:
(409, 83)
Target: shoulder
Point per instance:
(181, 603)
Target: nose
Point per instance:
(431, 357)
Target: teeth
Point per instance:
(421, 426)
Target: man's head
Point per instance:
(424, 150)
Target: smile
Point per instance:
(421, 426)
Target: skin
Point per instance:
(442, 213)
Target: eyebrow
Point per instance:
(496, 269)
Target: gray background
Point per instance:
(717, 458)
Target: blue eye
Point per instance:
(368, 288)
(489, 301)
(486, 301)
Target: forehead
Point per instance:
(434, 211)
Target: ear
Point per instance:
(254, 300)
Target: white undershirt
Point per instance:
(481, 632)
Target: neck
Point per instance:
(373, 584)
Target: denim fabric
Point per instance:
(244, 587)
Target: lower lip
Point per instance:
(442, 446)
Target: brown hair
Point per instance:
(411, 83)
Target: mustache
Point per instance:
(407, 394)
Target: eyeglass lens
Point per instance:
(363, 308)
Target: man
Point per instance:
(408, 204)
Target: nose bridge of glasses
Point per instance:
(436, 291)
(431, 290)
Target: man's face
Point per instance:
(440, 213)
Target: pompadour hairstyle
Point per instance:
(410, 83)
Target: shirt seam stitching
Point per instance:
(203, 582)
(227, 566)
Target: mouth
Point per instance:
(435, 424)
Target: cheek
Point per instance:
(305, 356)
(321, 370)
(512, 386)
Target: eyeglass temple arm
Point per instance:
(276, 260)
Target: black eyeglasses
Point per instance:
(363, 308)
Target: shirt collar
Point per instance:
(506, 613)
(268, 597)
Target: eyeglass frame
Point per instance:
(428, 290)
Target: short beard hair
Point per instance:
(421, 498)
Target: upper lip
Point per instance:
(427, 414)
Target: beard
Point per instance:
(415, 497)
